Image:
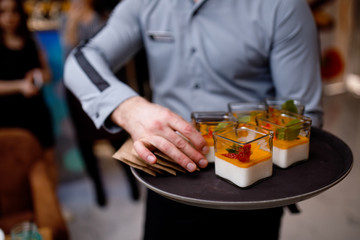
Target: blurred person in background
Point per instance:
(202, 54)
(23, 72)
(80, 22)
(84, 19)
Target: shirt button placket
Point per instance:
(193, 67)
(193, 50)
(193, 56)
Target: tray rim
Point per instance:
(243, 205)
(252, 205)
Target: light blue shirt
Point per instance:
(202, 56)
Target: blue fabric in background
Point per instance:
(67, 151)
(50, 42)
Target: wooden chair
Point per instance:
(26, 191)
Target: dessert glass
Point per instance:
(25, 231)
(243, 154)
(294, 106)
(291, 136)
(246, 111)
(208, 122)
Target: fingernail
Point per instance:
(191, 167)
(205, 150)
(203, 163)
(151, 159)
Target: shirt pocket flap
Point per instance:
(161, 36)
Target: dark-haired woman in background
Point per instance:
(23, 72)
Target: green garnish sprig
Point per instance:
(290, 132)
(233, 149)
(289, 105)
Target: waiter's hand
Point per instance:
(152, 126)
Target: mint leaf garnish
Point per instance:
(289, 105)
(291, 131)
(233, 149)
(221, 126)
(245, 119)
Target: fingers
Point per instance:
(188, 131)
(144, 152)
(28, 89)
(153, 126)
(142, 148)
(183, 143)
(187, 148)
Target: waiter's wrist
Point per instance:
(122, 114)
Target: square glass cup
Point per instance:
(291, 136)
(291, 105)
(25, 230)
(243, 155)
(246, 111)
(208, 122)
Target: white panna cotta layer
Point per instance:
(284, 158)
(210, 156)
(243, 177)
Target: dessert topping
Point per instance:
(221, 125)
(289, 105)
(291, 132)
(241, 153)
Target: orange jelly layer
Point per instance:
(257, 156)
(209, 140)
(283, 144)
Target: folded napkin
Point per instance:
(164, 164)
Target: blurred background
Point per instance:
(334, 214)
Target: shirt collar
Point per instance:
(197, 5)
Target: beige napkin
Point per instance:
(163, 164)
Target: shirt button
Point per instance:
(196, 86)
(97, 115)
(193, 50)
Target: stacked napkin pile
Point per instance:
(164, 164)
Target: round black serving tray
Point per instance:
(330, 161)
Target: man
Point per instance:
(201, 55)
